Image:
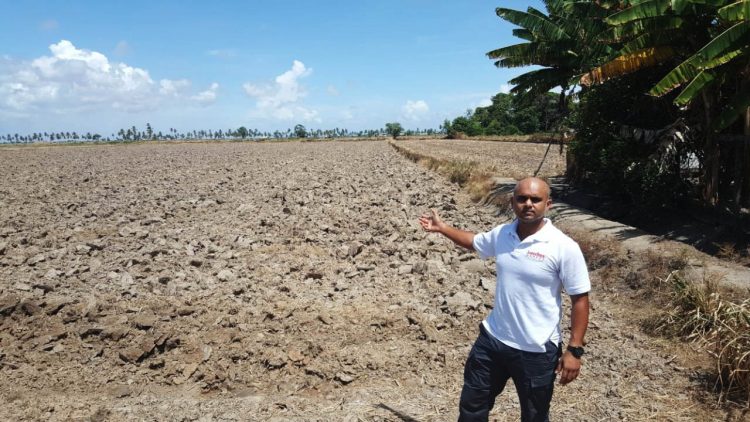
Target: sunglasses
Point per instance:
(523, 198)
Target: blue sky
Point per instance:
(101, 65)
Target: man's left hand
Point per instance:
(568, 367)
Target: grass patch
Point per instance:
(476, 179)
(686, 303)
(700, 313)
(733, 252)
(541, 138)
(601, 252)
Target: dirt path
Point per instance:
(283, 281)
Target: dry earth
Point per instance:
(276, 281)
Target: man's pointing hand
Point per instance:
(431, 222)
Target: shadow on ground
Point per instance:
(402, 416)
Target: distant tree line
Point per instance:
(133, 134)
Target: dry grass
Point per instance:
(476, 179)
(599, 251)
(732, 252)
(700, 313)
(533, 138)
(694, 307)
(727, 251)
(685, 304)
(505, 159)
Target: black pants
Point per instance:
(488, 368)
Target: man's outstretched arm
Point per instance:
(432, 223)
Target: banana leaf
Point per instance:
(533, 52)
(736, 11)
(724, 41)
(628, 63)
(713, 3)
(510, 62)
(684, 72)
(679, 5)
(648, 40)
(523, 34)
(637, 28)
(585, 9)
(610, 4)
(540, 80)
(580, 28)
(536, 12)
(646, 9)
(690, 68)
(702, 80)
(726, 58)
(541, 27)
(555, 7)
(705, 78)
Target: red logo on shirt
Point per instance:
(536, 256)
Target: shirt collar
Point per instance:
(543, 235)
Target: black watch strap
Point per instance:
(577, 352)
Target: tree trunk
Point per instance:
(563, 105)
(545, 156)
(711, 160)
(745, 201)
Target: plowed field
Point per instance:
(271, 281)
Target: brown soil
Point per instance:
(290, 281)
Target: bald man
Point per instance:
(521, 337)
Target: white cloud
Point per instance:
(282, 99)
(332, 90)
(415, 110)
(505, 88)
(75, 80)
(174, 88)
(208, 96)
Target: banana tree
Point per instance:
(709, 40)
(719, 67)
(561, 42)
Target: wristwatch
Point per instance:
(577, 352)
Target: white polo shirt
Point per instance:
(530, 277)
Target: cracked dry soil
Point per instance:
(266, 281)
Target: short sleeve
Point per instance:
(573, 271)
(485, 243)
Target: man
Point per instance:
(520, 338)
